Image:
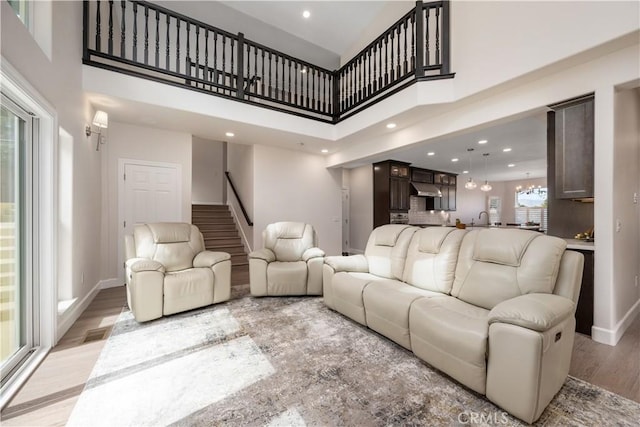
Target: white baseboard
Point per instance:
(74, 311)
(612, 336)
(110, 283)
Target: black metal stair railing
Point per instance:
(149, 41)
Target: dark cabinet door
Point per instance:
(442, 203)
(399, 194)
(452, 197)
(574, 150)
(584, 310)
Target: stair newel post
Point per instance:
(240, 66)
(419, 39)
(445, 38)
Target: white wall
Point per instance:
(361, 206)
(240, 167)
(126, 141)
(390, 13)
(59, 80)
(494, 42)
(207, 175)
(626, 243)
(294, 186)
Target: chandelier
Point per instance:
(531, 189)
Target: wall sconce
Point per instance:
(101, 121)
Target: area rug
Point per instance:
(293, 362)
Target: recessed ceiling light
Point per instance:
(455, 159)
(324, 150)
(391, 125)
(510, 165)
(431, 153)
(306, 14)
(230, 134)
(482, 141)
(465, 171)
(506, 150)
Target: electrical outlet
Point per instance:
(635, 198)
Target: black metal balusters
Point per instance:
(123, 31)
(110, 45)
(417, 43)
(146, 35)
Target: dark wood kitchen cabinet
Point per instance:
(584, 310)
(391, 190)
(446, 183)
(573, 140)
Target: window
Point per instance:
(531, 206)
(27, 238)
(24, 10)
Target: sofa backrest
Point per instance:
(288, 240)
(431, 258)
(172, 244)
(498, 264)
(386, 249)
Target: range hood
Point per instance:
(426, 190)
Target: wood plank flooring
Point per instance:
(47, 399)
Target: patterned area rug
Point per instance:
(293, 362)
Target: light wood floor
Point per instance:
(47, 399)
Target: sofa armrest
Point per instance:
(538, 312)
(263, 254)
(312, 253)
(354, 263)
(138, 265)
(207, 259)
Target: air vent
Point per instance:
(96, 334)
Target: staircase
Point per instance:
(220, 234)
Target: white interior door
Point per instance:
(149, 192)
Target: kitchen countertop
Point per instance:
(580, 245)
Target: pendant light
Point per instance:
(470, 184)
(486, 186)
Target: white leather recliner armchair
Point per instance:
(289, 263)
(169, 271)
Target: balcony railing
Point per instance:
(149, 41)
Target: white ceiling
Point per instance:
(336, 32)
(333, 25)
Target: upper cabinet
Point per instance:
(391, 190)
(571, 128)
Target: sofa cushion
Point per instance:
(386, 250)
(496, 265)
(288, 240)
(431, 258)
(347, 294)
(287, 278)
(387, 304)
(174, 245)
(187, 289)
(452, 336)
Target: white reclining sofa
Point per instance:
(492, 308)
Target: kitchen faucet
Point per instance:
(484, 212)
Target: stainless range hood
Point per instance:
(426, 190)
